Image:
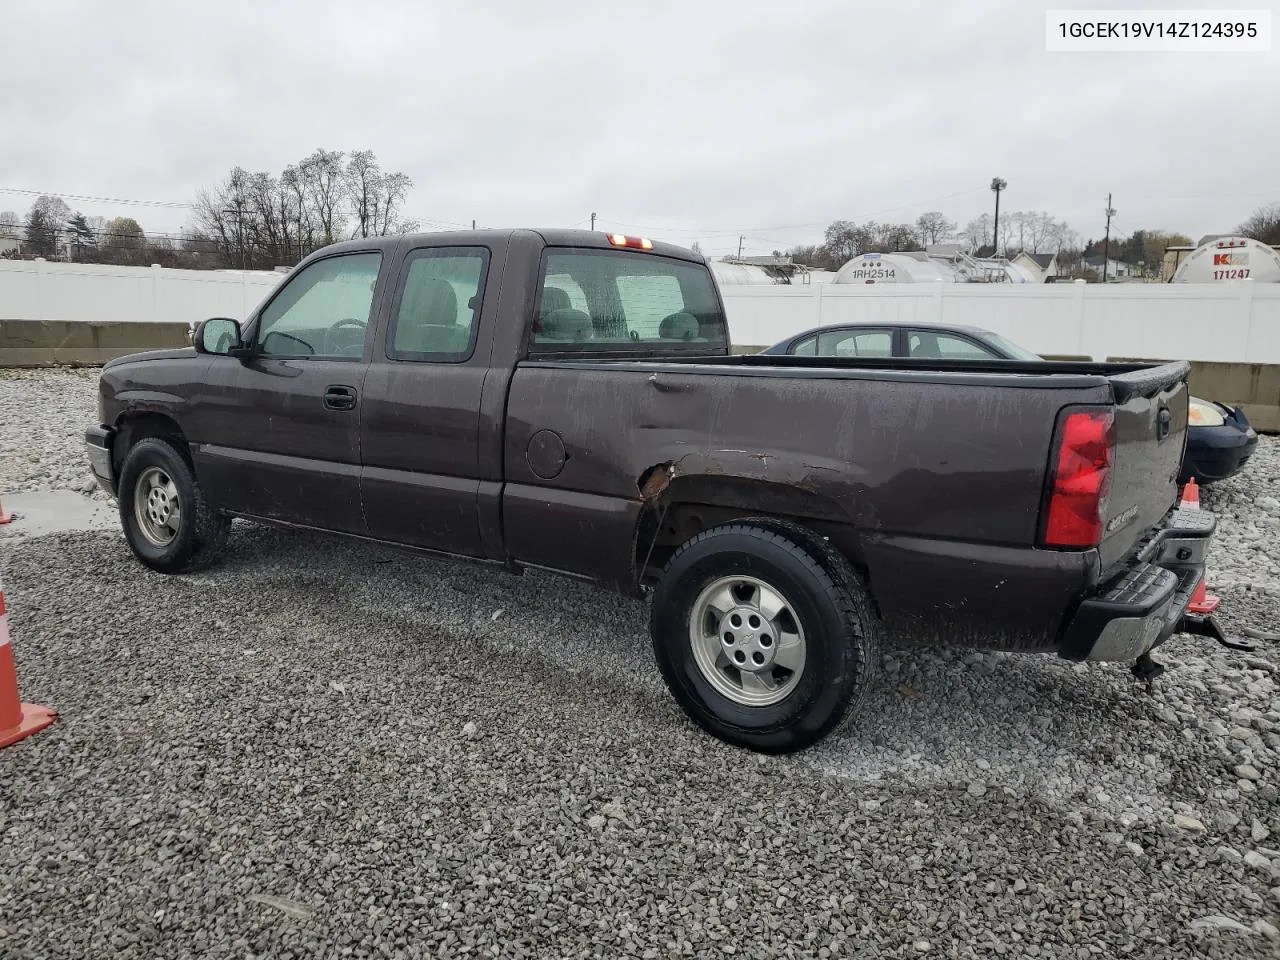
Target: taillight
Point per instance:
(1081, 479)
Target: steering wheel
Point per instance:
(346, 344)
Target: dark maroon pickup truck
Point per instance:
(568, 401)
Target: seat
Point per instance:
(679, 326)
(428, 321)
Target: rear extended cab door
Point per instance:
(431, 429)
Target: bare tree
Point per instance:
(934, 227)
(45, 224)
(376, 198)
(364, 188)
(294, 184)
(10, 225)
(841, 241)
(977, 232)
(323, 176)
(395, 189)
(124, 241)
(1060, 237)
(1264, 225)
(261, 220)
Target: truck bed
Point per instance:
(931, 474)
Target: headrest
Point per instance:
(679, 326)
(436, 303)
(553, 298)
(566, 324)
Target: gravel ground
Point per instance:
(319, 745)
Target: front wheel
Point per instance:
(764, 634)
(167, 521)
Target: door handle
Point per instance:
(339, 398)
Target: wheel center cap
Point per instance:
(748, 639)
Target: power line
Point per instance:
(91, 199)
(168, 204)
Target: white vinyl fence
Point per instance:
(1227, 322)
(40, 290)
(1224, 322)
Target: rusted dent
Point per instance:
(656, 479)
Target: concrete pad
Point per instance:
(56, 511)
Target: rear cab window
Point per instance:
(625, 303)
(438, 305)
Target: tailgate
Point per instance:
(1151, 432)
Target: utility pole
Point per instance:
(1106, 240)
(740, 239)
(593, 221)
(997, 184)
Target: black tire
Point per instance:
(201, 532)
(841, 630)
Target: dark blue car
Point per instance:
(1219, 438)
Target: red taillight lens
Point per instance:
(1081, 479)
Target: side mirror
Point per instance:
(219, 335)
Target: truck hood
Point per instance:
(174, 353)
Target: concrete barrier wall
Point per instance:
(42, 343)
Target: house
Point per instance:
(9, 245)
(1114, 268)
(1041, 266)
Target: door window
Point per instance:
(856, 343)
(808, 347)
(439, 304)
(323, 311)
(945, 346)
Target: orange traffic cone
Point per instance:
(1202, 602)
(1191, 495)
(17, 719)
(5, 515)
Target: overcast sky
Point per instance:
(681, 120)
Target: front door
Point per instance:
(278, 433)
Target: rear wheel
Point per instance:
(764, 634)
(167, 521)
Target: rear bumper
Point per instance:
(97, 447)
(1142, 605)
